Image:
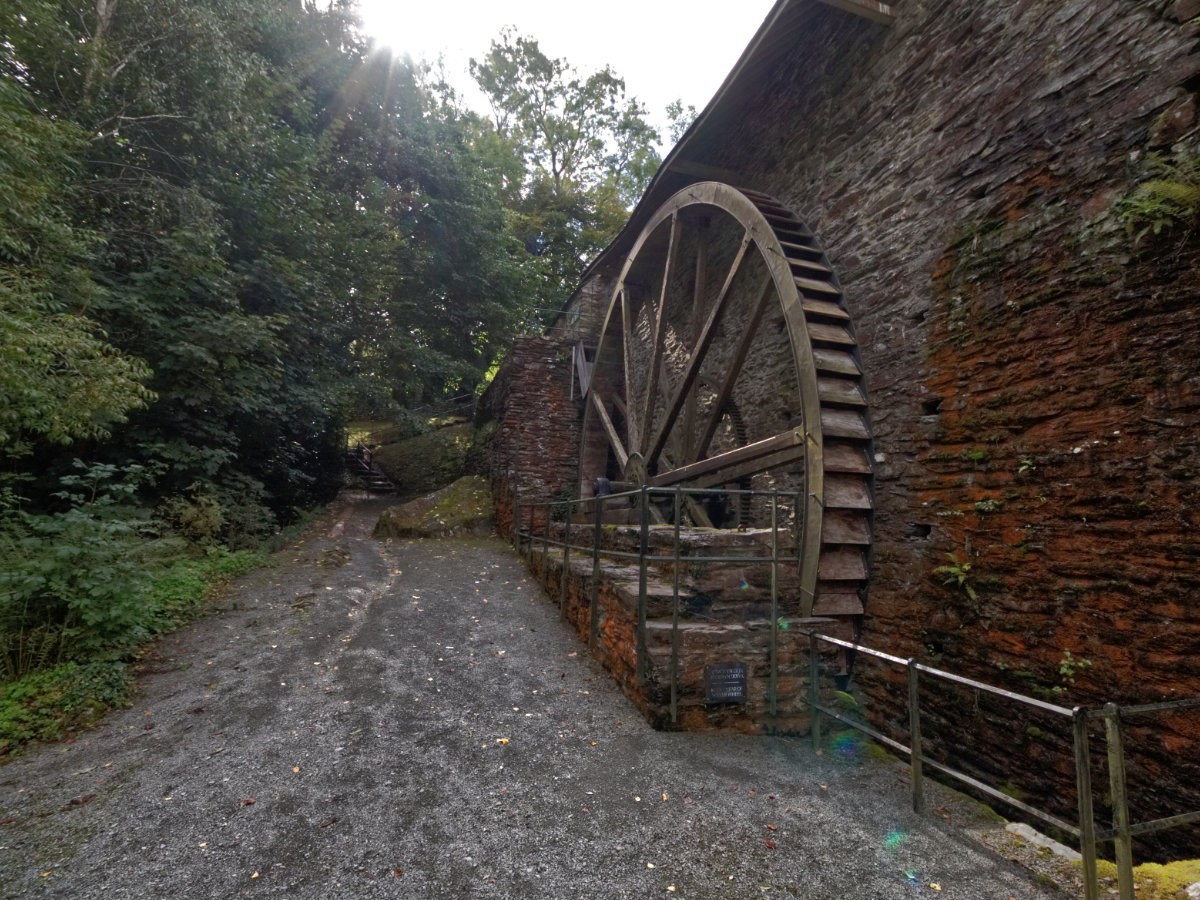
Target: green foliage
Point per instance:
(957, 573)
(1070, 666)
(59, 377)
(71, 582)
(586, 152)
(198, 517)
(1166, 200)
(46, 705)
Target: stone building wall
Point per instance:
(1033, 371)
(533, 451)
(1034, 376)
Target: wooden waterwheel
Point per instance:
(727, 360)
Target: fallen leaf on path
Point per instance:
(249, 801)
(254, 875)
(502, 741)
(770, 843)
(772, 827)
(296, 769)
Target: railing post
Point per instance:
(546, 548)
(814, 689)
(1120, 799)
(1087, 820)
(516, 523)
(594, 595)
(532, 511)
(773, 682)
(675, 610)
(914, 731)
(563, 582)
(643, 666)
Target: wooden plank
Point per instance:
(882, 13)
(684, 389)
(847, 492)
(840, 390)
(824, 308)
(583, 368)
(837, 362)
(843, 526)
(735, 366)
(840, 457)
(830, 334)
(844, 423)
(656, 348)
(809, 286)
(805, 250)
(845, 564)
(809, 265)
(633, 428)
(831, 604)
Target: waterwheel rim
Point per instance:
(718, 282)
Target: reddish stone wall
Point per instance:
(1034, 378)
(534, 449)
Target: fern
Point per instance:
(1168, 200)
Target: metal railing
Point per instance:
(525, 536)
(1084, 830)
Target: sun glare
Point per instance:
(392, 24)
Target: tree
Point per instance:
(587, 149)
(60, 379)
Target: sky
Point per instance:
(664, 49)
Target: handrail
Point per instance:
(1085, 830)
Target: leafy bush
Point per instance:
(71, 583)
(199, 517)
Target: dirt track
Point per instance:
(412, 720)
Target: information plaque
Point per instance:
(725, 683)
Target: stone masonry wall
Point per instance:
(534, 449)
(1034, 376)
(1033, 371)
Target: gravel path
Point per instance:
(411, 719)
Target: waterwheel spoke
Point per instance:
(684, 390)
(632, 426)
(610, 431)
(656, 350)
(735, 368)
(723, 466)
